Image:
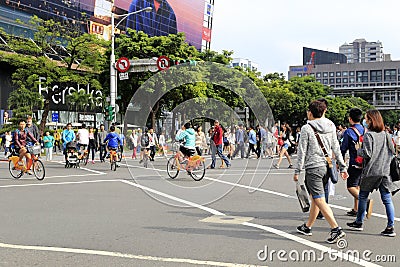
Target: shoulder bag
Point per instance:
(332, 170)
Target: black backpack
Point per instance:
(144, 140)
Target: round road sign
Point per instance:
(123, 64)
(163, 63)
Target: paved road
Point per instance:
(93, 216)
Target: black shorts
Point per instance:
(354, 176)
(188, 152)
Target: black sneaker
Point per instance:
(355, 226)
(352, 213)
(389, 231)
(320, 216)
(303, 229)
(335, 235)
(290, 166)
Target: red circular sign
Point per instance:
(163, 63)
(123, 64)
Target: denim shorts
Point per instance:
(285, 146)
(315, 181)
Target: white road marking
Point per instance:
(338, 253)
(195, 205)
(61, 183)
(123, 255)
(269, 192)
(297, 239)
(85, 169)
(250, 187)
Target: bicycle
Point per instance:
(17, 170)
(114, 158)
(194, 165)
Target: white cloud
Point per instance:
(272, 33)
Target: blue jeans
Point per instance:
(386, 197)
(222, 156)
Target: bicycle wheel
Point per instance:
(85, 159)
(39, 170)
(13, 171)
(113, 165)
(172, 168)
(199, 171)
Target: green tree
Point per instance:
(85, 49)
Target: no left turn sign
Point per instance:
(123, 64)
(163, 63)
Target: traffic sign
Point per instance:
(54, 117)
(123, 76)
(123, 64)
(163, 63)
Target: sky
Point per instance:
(273, 33)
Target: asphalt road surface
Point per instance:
(242, 216)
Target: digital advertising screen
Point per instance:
(167, 16)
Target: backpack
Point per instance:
(144, 140)
(360, 139)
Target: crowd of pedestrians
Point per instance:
(366, 145)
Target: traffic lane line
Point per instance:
(294, 238)
(60, 183)
(123, 255)
(265, 191)
(189, 203)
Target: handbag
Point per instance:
(332, 170)
(395, 169)
(302, 196)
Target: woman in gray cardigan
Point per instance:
(377, 151)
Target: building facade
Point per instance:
(376, 82)
(321, 57)
(193, 17)
(360, 51)
(244, 63)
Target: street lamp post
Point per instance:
(113, 71)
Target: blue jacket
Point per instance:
(113, 140)
(67, 136)
(189, 136)
(349, 140)
(159, 22)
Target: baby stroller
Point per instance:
(72, 155)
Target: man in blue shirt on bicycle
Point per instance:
(112, 139)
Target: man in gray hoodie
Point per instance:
(312, 159)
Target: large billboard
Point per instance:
(167, 16)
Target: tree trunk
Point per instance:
(153, 115)
(173, 125)
(45, 114)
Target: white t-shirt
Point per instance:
(396, 138)
(83, 136)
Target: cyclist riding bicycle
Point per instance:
(112, 139)
(187, 134)
(21, 137)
